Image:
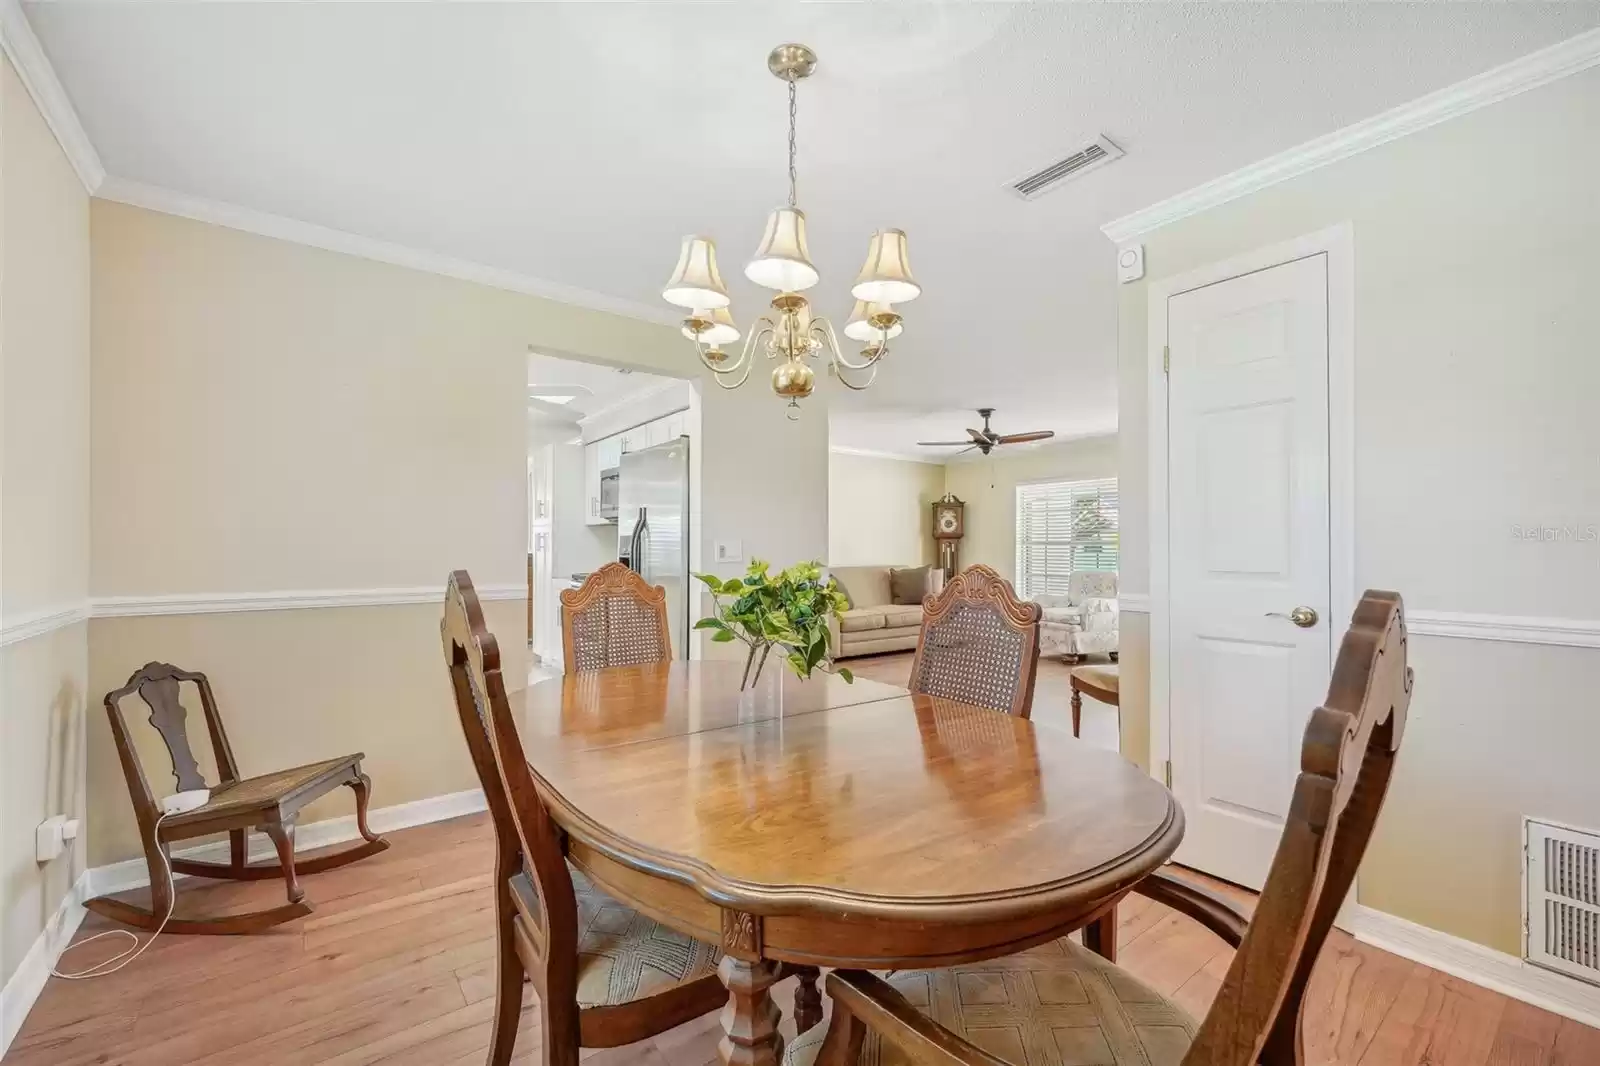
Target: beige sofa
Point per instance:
(874, 624)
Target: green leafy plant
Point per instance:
(789, 610)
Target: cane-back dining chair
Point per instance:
(1061, 1005)
(269, 802)
(614, 619)
(979, 644)
(605, 974)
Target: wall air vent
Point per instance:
(1097, 153)
(1562, 900)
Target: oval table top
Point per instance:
(855, 799)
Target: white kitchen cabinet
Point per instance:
(541, 485)
(611, 452)
(673, 424)
(591, 485)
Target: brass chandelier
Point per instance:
(791, 332)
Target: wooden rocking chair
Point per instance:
(269, 802)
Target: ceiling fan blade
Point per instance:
(977, 435)
(1023, 438)
(942, 444)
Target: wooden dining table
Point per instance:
(835, 824)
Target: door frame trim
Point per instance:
(1338, 243)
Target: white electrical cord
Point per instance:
(117, 962)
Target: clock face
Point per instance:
(947, 521)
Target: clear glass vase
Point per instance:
(762, 696)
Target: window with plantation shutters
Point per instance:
(1063, 526)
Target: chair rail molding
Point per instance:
(288, 600)
(1515, 629)
(1503, 82)
(1134, 602)
(37, 623)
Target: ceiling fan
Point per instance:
(986, 439)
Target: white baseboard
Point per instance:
(22, 990)
(133, 873)
(1494, 970)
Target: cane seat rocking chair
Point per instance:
(269, 802)
(1061, 1005)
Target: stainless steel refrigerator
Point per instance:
(653, 527)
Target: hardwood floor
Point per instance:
(395, 967)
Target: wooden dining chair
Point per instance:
(1061, 1004)
(269, 802)
(979, 644)
(605, 974)
(614, 618)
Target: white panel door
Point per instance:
(1247, 463)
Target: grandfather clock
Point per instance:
(949, 526)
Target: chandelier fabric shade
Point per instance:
(723, 330)
(886, 276)
(791, 332)
(782, 262)
(861, 328)
(696, 282)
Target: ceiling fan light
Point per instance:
(695, 282)
(860, 327)
(722, 330)
(782, 261)
(886, 278)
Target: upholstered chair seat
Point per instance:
(1058, 1004)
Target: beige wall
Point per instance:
(880, 510)
(989, 489)
(272, 417)
(44, 507)
(1475, 377)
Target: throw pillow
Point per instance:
(908, 586)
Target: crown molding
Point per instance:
(39, 77)
(238, 602)
(38, 623)
(1518, 76)
(873, 453)
(279, 227)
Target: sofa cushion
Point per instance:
(864, 586)
(1063, 615)
(908, 586)
(859, 620)
(1092, 584)
(902, 616)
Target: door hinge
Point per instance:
(1167, 773)
(1166, 359)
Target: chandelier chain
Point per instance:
(793, 178)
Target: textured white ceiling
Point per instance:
(577, 143)
(597, 386)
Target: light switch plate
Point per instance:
(730, 551)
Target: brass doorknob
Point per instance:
(1304, 617)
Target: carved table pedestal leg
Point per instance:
(750, 1020)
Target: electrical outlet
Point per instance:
(729, 551)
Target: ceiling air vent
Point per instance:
(1563, 899)
(1097, 153)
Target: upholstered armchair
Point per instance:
(1084, 621)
